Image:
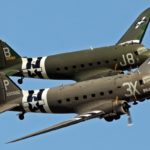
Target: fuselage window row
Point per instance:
(82, 65)
(85, 96)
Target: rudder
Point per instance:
(8, 89)
(8, 57)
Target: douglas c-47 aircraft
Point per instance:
(107, 97)
(82, 65)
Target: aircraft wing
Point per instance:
(75, 120)
(137, 30)
(95, 74)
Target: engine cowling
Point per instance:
(116, 109)
(121, 107)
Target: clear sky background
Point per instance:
(41, 28)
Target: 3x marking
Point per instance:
(131, 88)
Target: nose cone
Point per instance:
(148, 49)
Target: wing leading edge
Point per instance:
(75, 120)
(95, 74)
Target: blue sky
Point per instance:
(40, 28)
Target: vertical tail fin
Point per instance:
(137, 30)
(8, 57)
(10, 93)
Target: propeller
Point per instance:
(129, 119)
(126, 107)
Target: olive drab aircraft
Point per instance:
(105, 98)
(83, 65)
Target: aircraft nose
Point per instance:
(146, 54)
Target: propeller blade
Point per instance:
(129, 119)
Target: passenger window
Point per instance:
(110, 92)
(76, 98)
(102, 93)
(85, 96)
(106, 61)
(93, 95)
(58, 69)
(68, 99)
(82, 65)
(59, 101)
(74, 67)
(66, 68)
(90, 64)
(98, 62)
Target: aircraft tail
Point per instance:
(137, 30)
(9, 59)
(10, 93)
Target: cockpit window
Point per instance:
(141, 50)
(146, 79)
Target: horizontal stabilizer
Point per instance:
(7, 107)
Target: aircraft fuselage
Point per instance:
(85, 65)
(96, 94)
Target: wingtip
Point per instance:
(16, 140)
(10, 142)
(13, 141)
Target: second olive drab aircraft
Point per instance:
(82, 65)
(107, 97)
